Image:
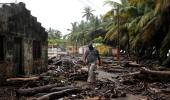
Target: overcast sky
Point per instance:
(58, 14)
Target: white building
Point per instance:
(55, 51)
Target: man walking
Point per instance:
(91, 57)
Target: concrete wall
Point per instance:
(17, 22)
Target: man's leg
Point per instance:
(91, 73)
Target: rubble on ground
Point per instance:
(66, 80)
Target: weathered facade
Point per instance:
(23, 42)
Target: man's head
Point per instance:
(90, 46)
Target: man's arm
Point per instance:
(85, 56)
(98, 57)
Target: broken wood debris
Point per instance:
(132, 64)
(59, 94)
(152, 75)
(23, 79)
(40, 89)
(67, 80)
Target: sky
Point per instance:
(59, 14)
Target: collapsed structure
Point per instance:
(23, 42)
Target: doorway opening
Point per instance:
(18, 64)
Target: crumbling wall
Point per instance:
(17, 22)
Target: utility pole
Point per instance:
(118, 41)
(118, 32)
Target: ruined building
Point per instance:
(23, 42)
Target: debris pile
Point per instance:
(66, 78)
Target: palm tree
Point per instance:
(147, 24)
(88, 13)
(156, 16)
(82, 30)
(118, 28)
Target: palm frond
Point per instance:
(149, 30)
(165, 44)
(148, 34)
(108, 15)
(161, 5)
(132, 25)
(111, 3)
(136, 41)
(112, 33)
(129, 11)
(110, 25)
(136, 2)
(123, 40)
(145, 19)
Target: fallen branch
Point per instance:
(152, 75)
(165, 91)
(61, 88)
(132, 64)
(59, 94)
(148, 71)
(113, 70)
(129, 74)
(39, 95)
(156, 90)
(23, 79)
(31, 91)
(84, 69)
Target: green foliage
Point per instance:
(79, 33)
(53, 34)
(111, 3)
(56, 41)
(98, 40)
(54, 37)
(140, 24)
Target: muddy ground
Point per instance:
(115, 81)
